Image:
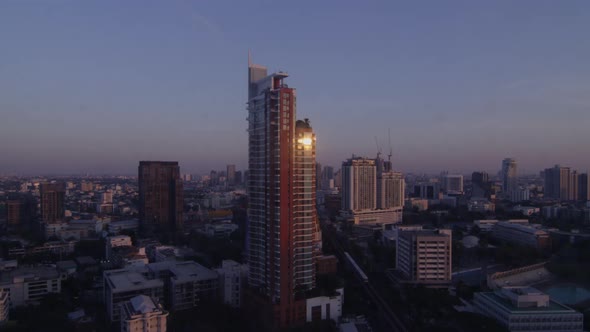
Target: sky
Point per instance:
(96, 86)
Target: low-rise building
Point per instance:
(327, 307)
(29, 284)
(123, 284)
(486, 225)
(115, 227)
(326, 264)
(527, 309)
(424, 256)
(521, 234)
(187, 283)
(116, 241)
(480, 205)
(143, 314)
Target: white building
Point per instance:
(232, 277)
(325, 307)
(424, 256)
(142, 314)
(527, 309)
(123, 284)
(30, 284)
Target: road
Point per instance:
(389, 318)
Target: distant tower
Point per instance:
(359, 184)
(53, 202)
(160, 195)
(231, 174)
(509, 177)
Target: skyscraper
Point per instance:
(509, 179)
(281, 187)
(52, 202)
(160, 195)
(564, 184)
(231, 174)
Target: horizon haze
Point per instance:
(96, 87)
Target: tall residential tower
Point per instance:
(509, 179)
(282, 220)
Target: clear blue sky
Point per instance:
(96, 86)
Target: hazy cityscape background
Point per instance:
(94, 87)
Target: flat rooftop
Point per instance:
(129, 280)
(29, 273)
(553, 306)
(184, 271)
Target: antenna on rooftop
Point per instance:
(390, 149)
(249, 58)
(378, 148)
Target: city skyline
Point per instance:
(100, 89)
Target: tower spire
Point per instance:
(249, 58)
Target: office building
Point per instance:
(521, 234)
(160, 195)
(452, 184)
(26, 285)
(231, 175)
(509, 176)
(424, 256)
(527, 309)
(124, 284)
(282, 204)
(143, 314)
(52, 202)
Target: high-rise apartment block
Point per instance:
(160, 195)
(424, 256)
(359, 184)
(283, 225)
(231, 175)
(563, 183)
(509, 176)
(52, 202)
(372, 193)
